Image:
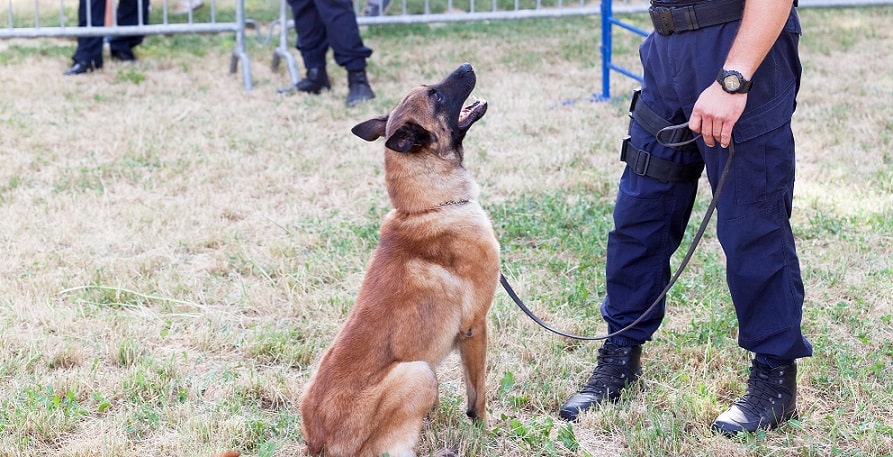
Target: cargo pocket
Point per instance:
(753, 143)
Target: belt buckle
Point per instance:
(643, 159)
(638, 164)
(662, 18)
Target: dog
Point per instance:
(427, 290)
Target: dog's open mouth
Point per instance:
(472, 113)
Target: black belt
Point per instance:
(674, 19)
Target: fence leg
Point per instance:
(283, 50)
(239, 53)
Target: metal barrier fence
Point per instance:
(400, 12)
(20, 24)
(445, 11)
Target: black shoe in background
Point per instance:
(358, 86)
(376, 7)
(314, 82)
(123, 56)
(80, 68)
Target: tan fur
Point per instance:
(427, 290)
(229, 454)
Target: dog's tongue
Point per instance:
(472, 113)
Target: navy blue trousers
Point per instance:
(89, 49)
(321, 24)
(753, 213)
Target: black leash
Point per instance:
(691, 250)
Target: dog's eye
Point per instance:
(435, 95)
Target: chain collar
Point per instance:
(453, 203)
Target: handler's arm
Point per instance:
(716, 111)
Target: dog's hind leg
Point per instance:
(473, 353)
(408, 394)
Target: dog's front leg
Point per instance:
(473, 352)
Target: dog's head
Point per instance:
(430, 118)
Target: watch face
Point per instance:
(731, 82)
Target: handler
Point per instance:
(726, 66)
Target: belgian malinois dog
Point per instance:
(427, 290)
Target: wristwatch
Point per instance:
(733, 82)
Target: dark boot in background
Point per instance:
(358, 87)
(315, 81)
(376, 7)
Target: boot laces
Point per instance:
(613, 371)
(765, 392)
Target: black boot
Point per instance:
(376, 7)
(358, 87)
(315, 81)
(123, 55)
(617, 368)
(770, 399)
(80, 68)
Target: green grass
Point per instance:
(179, 252)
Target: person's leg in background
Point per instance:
(88, 55)
(343, 36)
(129, 14)
(312, 46)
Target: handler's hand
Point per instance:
(715, 114)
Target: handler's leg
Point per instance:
(650, 216)
(764, 279)
(88, 55)
(753, 225)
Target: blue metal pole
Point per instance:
(606, 13)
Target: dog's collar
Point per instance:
(453, 203)
(441, 205)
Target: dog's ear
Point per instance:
(408, 136)
(372, 129)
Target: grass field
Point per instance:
(177, 252)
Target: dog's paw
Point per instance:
(229, 454)
(475, 417)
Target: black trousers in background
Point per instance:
(321, 24)
(90, 48)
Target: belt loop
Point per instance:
(691, 19)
